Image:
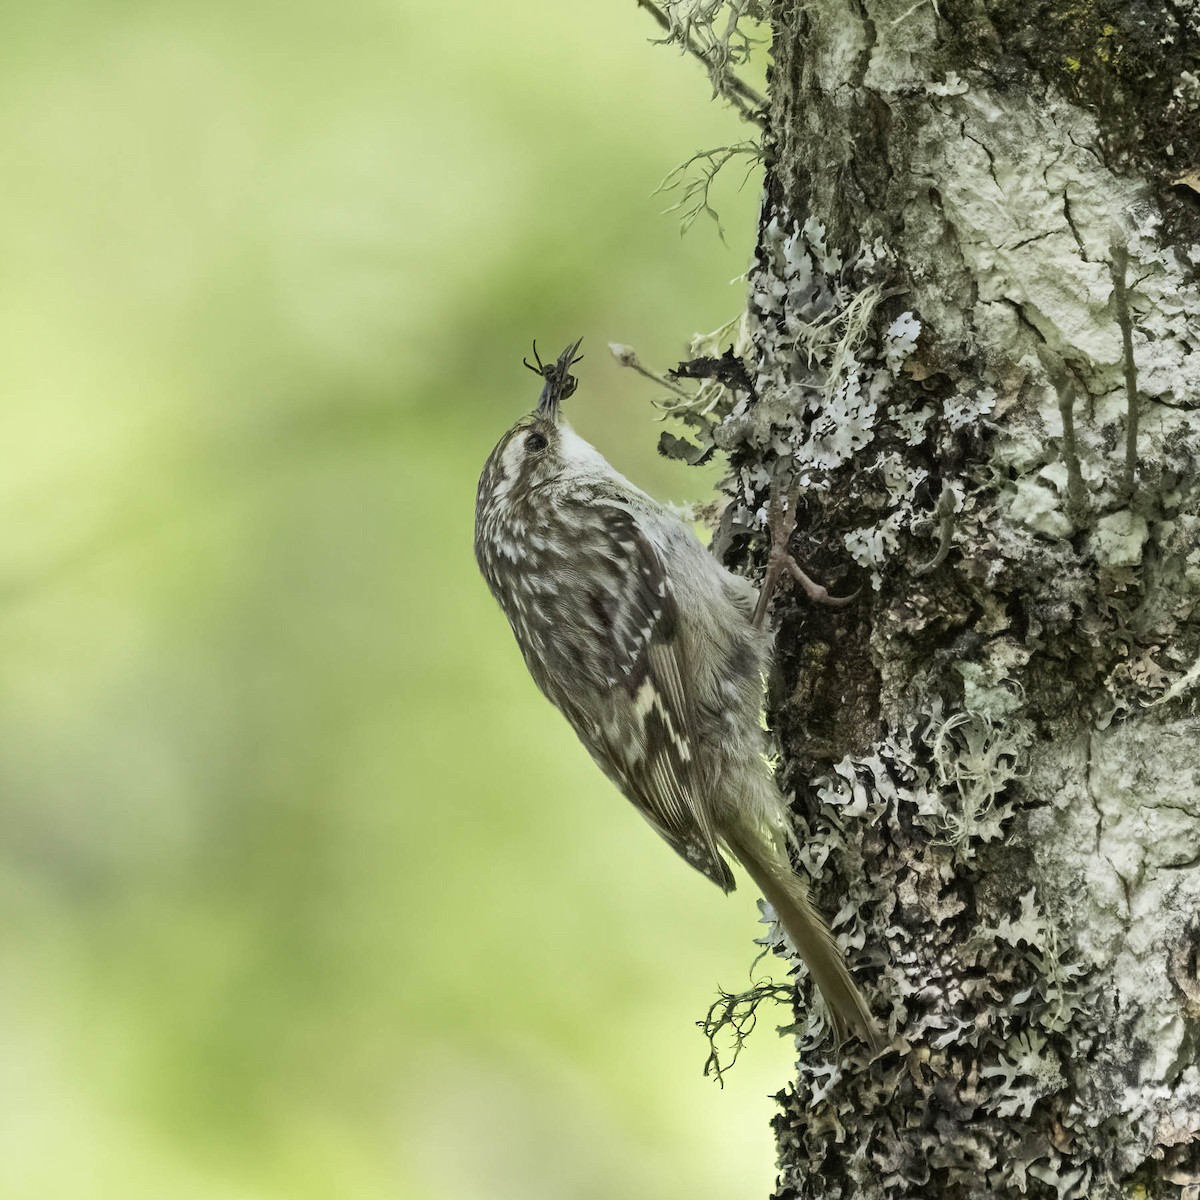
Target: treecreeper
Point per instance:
(656, 655)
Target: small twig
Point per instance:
(944, 513)
(1060, 376)
(749, 103)
(1077, 503)
(627, 357)
(1120, 263)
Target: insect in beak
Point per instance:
(559, 382)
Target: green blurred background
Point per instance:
(305, 892)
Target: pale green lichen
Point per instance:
(822, 357)
(1006, 996)
(1117, 540)
(724, 29)
(1040, 507)
(693, 180)
(722, 34)
(975, 759)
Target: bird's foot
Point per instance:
(781, 520)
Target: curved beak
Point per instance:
(559, 382)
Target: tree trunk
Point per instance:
(972, 349)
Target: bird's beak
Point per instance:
(559, 382)
(548, 403)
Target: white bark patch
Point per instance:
(1120, 846)
(1034, 213)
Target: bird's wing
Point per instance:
(642, 729)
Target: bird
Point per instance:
(656, 655)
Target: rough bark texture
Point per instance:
(996, 750)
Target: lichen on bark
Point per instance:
(972, 350)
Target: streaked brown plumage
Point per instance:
(647, 646)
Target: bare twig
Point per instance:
(1120, 263)
(1076, 492)
(627, 357)
(944, 514)
(1064, 386)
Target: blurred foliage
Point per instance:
(305, 892)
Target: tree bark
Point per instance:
(972, 350)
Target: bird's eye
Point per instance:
(535, 442)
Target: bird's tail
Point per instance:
(787, 894)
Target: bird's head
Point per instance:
(541, 447)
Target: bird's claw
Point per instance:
(815, 591)
(782, 521)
